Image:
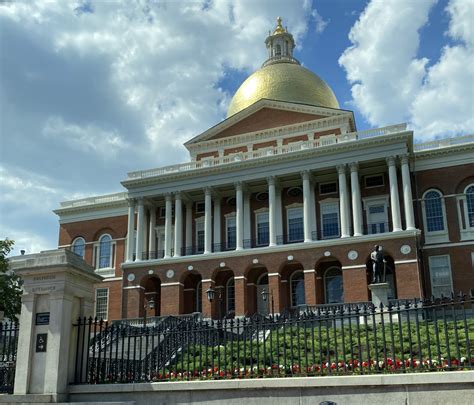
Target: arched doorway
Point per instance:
(151, 302)
(257, 282)
(333, 285)
(225, 288)
(192, 293)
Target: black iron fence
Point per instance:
(8, 350)
(412, 336)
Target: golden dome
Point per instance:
(285, 82)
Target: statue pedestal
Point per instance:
(379, 294)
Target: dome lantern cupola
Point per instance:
(282, 78)
(280, 45)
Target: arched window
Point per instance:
(230, 294)
(297, 289)
(434, 212)
(78, 246)
(199, 297)
(333, 285)
(278, 50)
(105, 251)
(470, 205)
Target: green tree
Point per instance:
(10, 283)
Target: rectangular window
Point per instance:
(102, 303)
(200, 207)
(374, 181)
(163, 211)
(295, 224)
(263, 229)
(440, 275)
(330, 220)
(377, 221)
(328, 188)
(200, 236)
(231, 232)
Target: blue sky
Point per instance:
(93, 89)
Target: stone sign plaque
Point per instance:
(41, 341)
(42, 318)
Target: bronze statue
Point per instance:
(378, 265)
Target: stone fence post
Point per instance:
(57, 289)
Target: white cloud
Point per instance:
(88, 138)
(25, 240)
(391, 84)
(319, 21)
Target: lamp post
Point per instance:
(148, 304)
(211, 295)
(265, 295)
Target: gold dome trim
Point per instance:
(284, 82)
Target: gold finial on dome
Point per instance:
(279, 29)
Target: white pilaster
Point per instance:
(239, 220)
(314, 227)
(130, 230)
(247, 223)
(306, 206)
(152, 235)
(217, 223)
(207, 221)
(356, 200)
(407, 195)
(278, 214)
(343, 201)
(394, 197)
(168, 225)
(272, 210)
(189, 225)
(178, 224)
(140, 229)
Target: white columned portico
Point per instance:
(189, 226)
(152, 232)
(140, 228)
(207, 220)
(247, 223)
(239, 214)
(394, 198)
(168, 225)
(407, 195)
(178, 224)
(272, 210)
(217, 223)
(343, 201)
(130, 229)
(356, 200)
(306, 206)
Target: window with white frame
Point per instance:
(377, 214)
(102, 303)
(230, 294)
(465, 205)
(294, 219)
(374, 181)
(297, 289)
(230, 231)
(328, 188)
(200, 235)
(440, 275)
(469, 192)
(262, 228)
(330, 220)
(78, 246)
(434, 217)
(104, 256)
